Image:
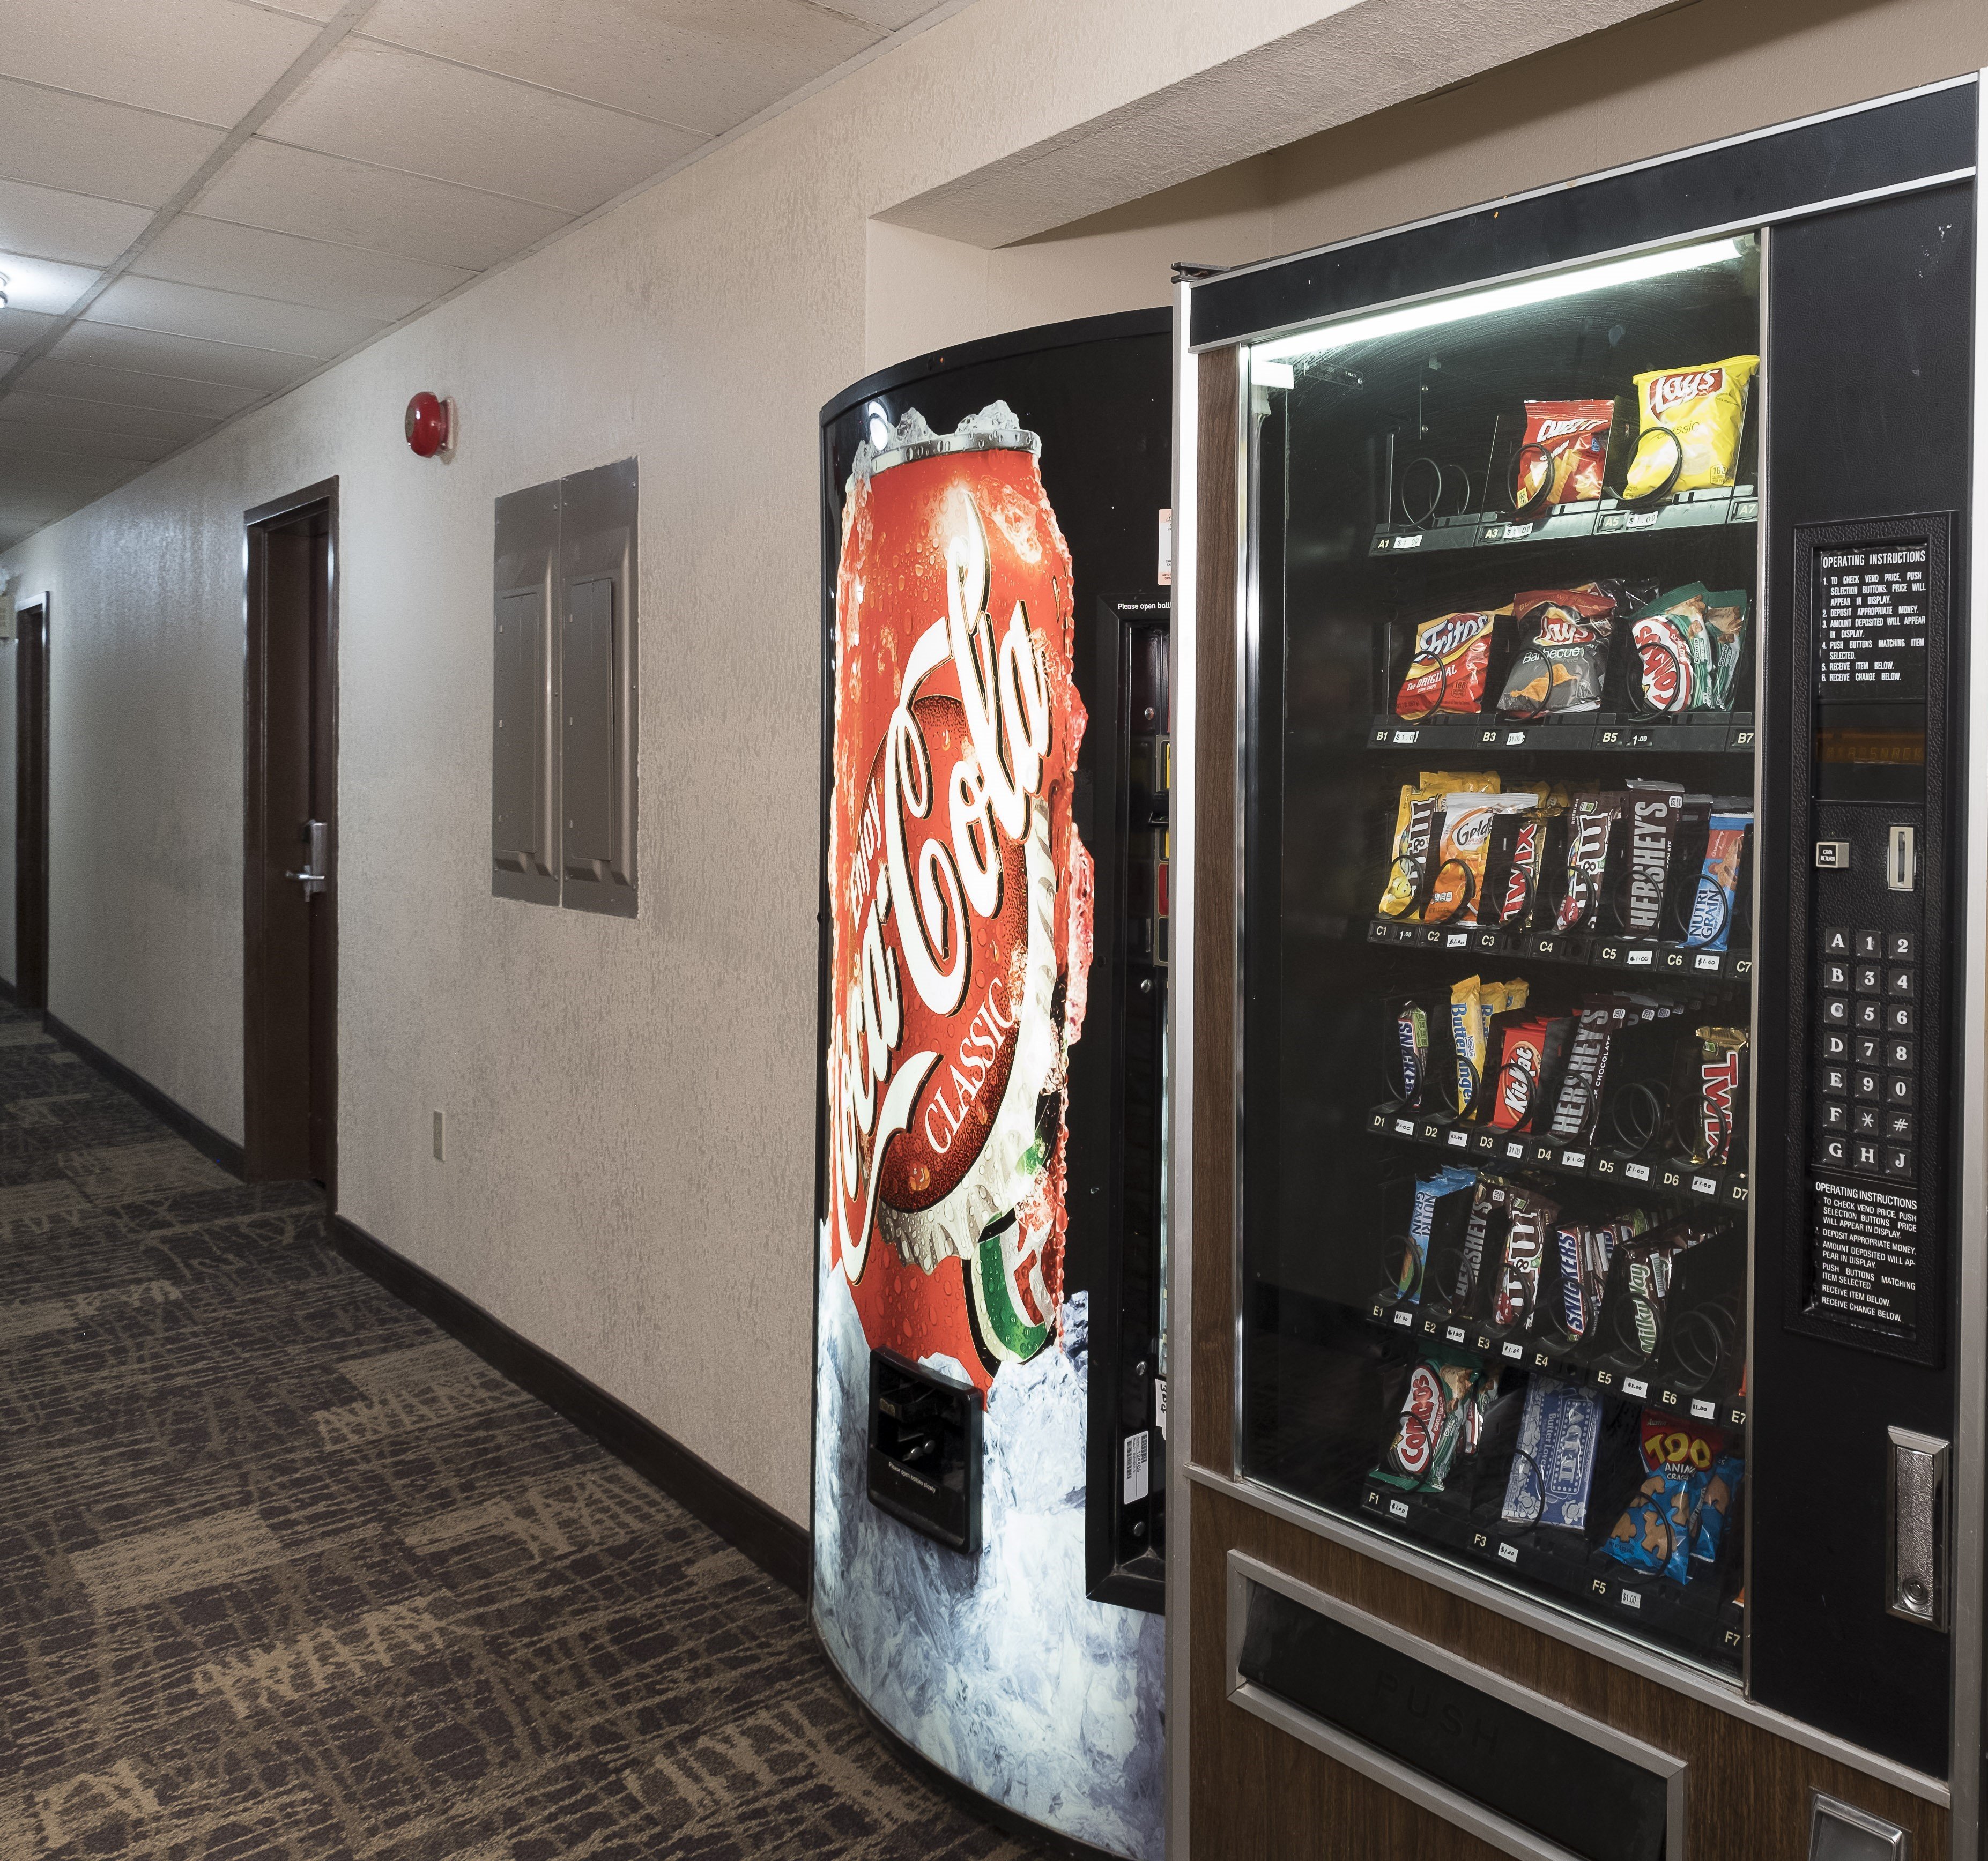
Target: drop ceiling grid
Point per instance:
(429, 140)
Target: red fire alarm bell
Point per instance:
(431, 425)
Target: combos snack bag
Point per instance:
(1432, 1423)
(1688, 644)
(1418, 827)
(1562, 457)
(1563, 655)
(1689, 423)
(1450, 669)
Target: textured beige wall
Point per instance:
(631, 1104)
(1691, 73)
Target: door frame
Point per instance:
(30, 835)
(255, 623)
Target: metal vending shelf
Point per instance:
(1715, 733)
(1607, 517)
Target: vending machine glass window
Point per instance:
(1498, 946)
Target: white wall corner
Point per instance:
(1348, 61)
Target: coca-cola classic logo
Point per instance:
(993, 844)
(1667, 391)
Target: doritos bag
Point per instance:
(1690, 422)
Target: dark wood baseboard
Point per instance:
(772, 1541)
(201, 1135)
(8, 994)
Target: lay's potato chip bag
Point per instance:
(1690, 421)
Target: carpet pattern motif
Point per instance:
(286, 1572)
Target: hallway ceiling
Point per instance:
(202, 201)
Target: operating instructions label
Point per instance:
(1872, 606)
(1865, 1269)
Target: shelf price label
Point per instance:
(1635, 1387)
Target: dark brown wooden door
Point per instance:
(290, 865)
(31, 816)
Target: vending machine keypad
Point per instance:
(1869, 980)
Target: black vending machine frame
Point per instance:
(1884, 436)
(1107, 468)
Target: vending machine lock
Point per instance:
(1915, 1555)
(1901, 861)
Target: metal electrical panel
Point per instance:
(524, 752)
(597, 681)
(563, 781)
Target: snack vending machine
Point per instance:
(989, 1492)
(1579, 1018)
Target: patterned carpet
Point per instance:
(286, 1571)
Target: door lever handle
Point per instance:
(313, 882)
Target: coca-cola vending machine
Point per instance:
(990, 1370)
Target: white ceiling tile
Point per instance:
(81, 478)
(319, 10)
(39, 409)
(402, 111)
(297, 190)
(25, 440)
(705, 65)
(57, 141)
(196, 250)
(126, 387)
(146, 352)
(208, 60)
(77, 229)
(229, 316)
(43, 287)
(21, 329)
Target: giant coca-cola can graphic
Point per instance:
(960, 895)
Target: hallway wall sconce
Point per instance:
(431, 426)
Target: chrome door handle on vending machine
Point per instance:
(313, 874)
(1916, 1487)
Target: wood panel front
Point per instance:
(1255, 1791)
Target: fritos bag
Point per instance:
(1451, 667)
(1702, 409)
